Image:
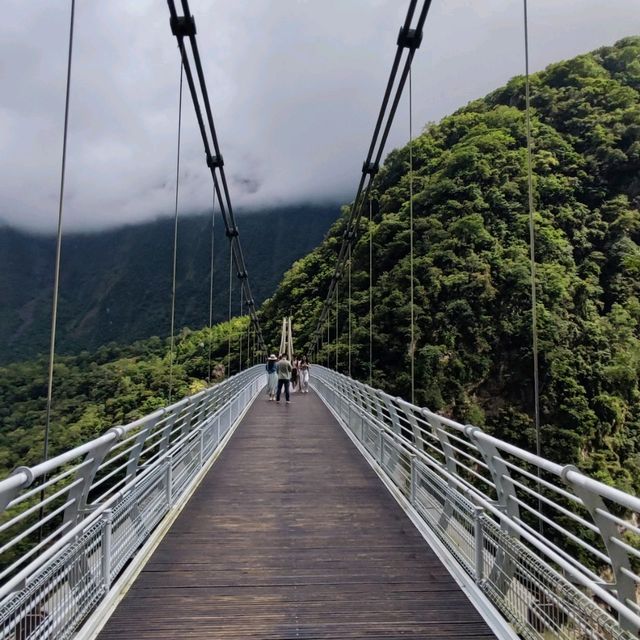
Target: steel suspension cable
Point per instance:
(248, 361)
(213, 221)
(532, 238)
(412, 348)
(183, 27)
(328, 339)
(337, 319)
(409, 39)
(56, 277)
(370, 295)
(349, 312)
(240, 334)
(229, 314)
(532, 256)
(175, 242)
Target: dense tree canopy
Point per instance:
(473, 352)
(473, 349)
(112, 386)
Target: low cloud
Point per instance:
(295, 87)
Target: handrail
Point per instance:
(99, 504)
(577, 529)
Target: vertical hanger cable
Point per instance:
(213, 220)
(328, 336)
(532, 238)
(229, 312)
(370, 294)
(337, 317)
(56, 283)
(240, 332)
(412, 347)
(175, 243)
(349, 312)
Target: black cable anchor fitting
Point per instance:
(183, 26)
(370, 168)
(215, 162)
(350, 235)
(409, 38)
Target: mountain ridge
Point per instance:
(115, 285)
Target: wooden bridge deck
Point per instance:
(292, 535)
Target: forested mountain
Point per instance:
(116, 285)
(473, 350)
(113, 385)
(472, 283)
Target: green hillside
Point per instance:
(110, 386)
(116, 285)
(473, 353)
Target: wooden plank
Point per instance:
(292, 535)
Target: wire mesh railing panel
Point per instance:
(539, 602)
(66, 541)
(60, 597)
(449, 514)
(557, 552)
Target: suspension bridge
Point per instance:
(347, 514)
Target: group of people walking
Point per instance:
(292, 376)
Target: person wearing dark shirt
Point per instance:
(283, 368)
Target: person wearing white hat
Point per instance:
(272, 376)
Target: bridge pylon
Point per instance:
(286, 338)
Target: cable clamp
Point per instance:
(370, 168)
(409, 38)
(215, 162)
(183, 26)
(232, 233)
(242, 275)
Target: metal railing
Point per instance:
(555, 551)
(70, 525)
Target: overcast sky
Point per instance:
(295, 86)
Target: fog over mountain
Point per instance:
(295, 87)
(116, 284)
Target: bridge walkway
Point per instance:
(292, 535)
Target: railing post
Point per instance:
(201, 452)
(381, 446)
(78, 495)
(107, 526)
(626, 588)
(168, 482)
(478, 537)
(504, 568)
(505, 489)
(413, 487)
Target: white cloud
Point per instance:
(295, 87)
